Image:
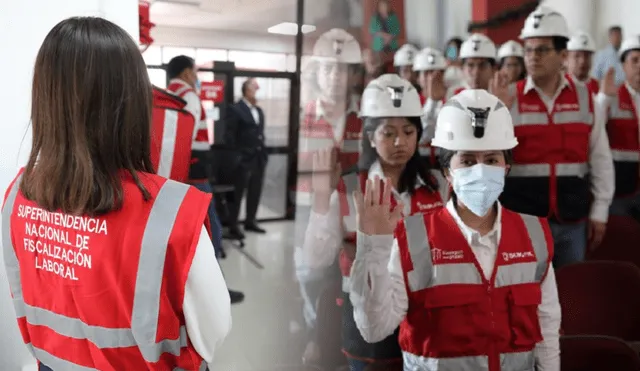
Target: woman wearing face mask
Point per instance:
(391, 111)
(469, 285)
(453, 75)
(511, 61)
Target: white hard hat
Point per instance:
(631, 43)
(581, 41)
(405, 55)
(478, 46)
(511, 49)
(545, 22)
(474, 120)
(429, 59)
(390, 96)
(339, 46)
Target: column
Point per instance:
(580, 14)
(25, 25)
(421, 23)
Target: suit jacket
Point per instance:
(246, 135)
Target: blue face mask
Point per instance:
(198, 84)
(478, 187)
(451, 53)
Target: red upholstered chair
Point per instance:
(621, 241)
(600, 298)
(597, 353)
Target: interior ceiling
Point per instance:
(237, 15)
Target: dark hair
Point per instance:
(624, 55)
(523, 74)
(454, 40)
(613, 29)
(245, 86)
(178, 64)
(91, 117)
(416, 167)
(559, 43)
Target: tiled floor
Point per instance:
(267, 329)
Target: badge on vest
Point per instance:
(530, 107)
(511, 256)
(439, 255)
(424, 207)
(567, 107)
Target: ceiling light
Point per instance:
(290, 28)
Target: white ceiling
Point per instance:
(233, 15)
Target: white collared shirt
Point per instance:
(379, 296)
(324, 235)
(254, 111)
(338, 124)
(600, 161)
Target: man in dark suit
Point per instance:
(246, 134)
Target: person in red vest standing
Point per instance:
(110, 265)
(563, 167)
(478, 55)
(329, 121)
(391, 110)
(431, 65)
(183, 80)
(471, 284)
(580, 59)
(171, 134)
(623, 129)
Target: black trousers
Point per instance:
(249, 179)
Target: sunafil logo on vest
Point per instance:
(439, 255)
(511, 256)
(60, 242)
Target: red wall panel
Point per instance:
(484, 10)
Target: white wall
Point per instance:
(421, 23)
(457, 15)
(21, 37)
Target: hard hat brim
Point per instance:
(474, 145)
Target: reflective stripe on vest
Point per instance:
(508, 361)
(427, 275)
(616, 112)
(346, 284)
(625, 156)
(544, 170)
(582, 115)
(182, 90)
(167, 149)
(146, 304)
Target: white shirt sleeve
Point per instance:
(193, 107)
(323, 237)
(378, 291)
(547, 352)
(601, 163)
(207, 306)
(429, 116)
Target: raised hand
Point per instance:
(499, 86)
(374, 214)
(436, 86)
(608, 84)
(326, 171)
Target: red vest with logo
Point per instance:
(106, 292)
(316, 133)
(171, 134)
(624, 139)
(354, 346)
(201, 141)
(459, 90)
(200, 145)
(593, 85)
(459, 320)
(551, 161)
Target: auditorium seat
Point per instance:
(597, 353)
(621, 241)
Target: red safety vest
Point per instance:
(459, 90)
(354, 346)
(106, 292)
(624, 139)
(316, 134)
(592, 84)
(171, 135)
(459, 320)
(551, 161)
(201, 140)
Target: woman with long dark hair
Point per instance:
(110, 266)
(392, 127)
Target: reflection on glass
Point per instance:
(273, 203)
(273, 97)
(209, 55)
(258, 60)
